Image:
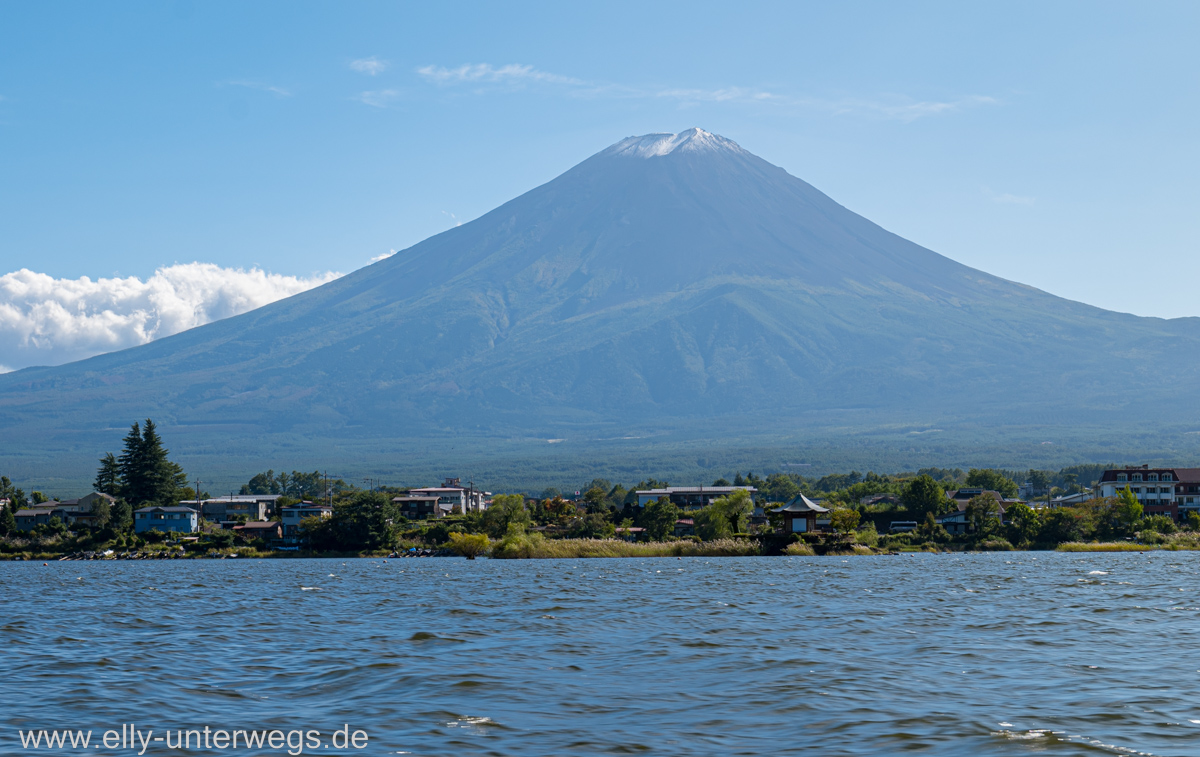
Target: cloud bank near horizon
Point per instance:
(49, 321)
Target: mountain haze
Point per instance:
(670, 284)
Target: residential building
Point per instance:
(879, 499)
(71, 512)
(685, 527)
(464, 499)
(292, 515)
(1173, 492)
(422, 507)
(1071, 500)
(180, 519)
(965, 495)
(268, 530)
(1030, 490)
(690, 497)
(31, 517)
(253, 507)
(957, 521)
(82, 511)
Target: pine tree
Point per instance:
(131, 469)
(164, 478)
(108, 477)
(146, 474)
(8, 522)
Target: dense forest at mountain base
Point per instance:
(504, 464)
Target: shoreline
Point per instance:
(578, 549)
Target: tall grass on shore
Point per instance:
(1147, 541)
(535, 546)
(1112, 546)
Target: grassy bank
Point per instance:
(533, 546)
(1117, 546)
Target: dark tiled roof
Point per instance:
(165, 510)
(802, 504)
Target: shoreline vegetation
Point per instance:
(603, 520)
(561, 549)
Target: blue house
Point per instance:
(182, 519)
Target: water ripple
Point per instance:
(1018, 654)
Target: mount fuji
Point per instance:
(670, 287)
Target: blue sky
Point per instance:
(1050, 143)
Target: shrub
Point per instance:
(469, 546)
(220, 539)
(867, 535)
(798, 549)
(517, 544)
(1160, 524)
(896, 541)
(996, 545)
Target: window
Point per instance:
(1151, 476)
(1166, 477)
(1136, 477)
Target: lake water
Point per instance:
(1032, 653)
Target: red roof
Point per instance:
(1180, 475)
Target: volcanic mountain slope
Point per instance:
(666, 281)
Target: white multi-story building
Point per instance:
(1162, 491)
(462, 499)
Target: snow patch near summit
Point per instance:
(657, 145)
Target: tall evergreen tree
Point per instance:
(146, 473)
(167, 479)
(131, 468)
(108, 477)
(8, 522)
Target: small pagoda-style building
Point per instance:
(800, 515)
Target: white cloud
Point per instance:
(49, 321)
(894, 107)
(369, 66)
(378, 98)
(905, 108)
(1004, 198)
(277, 91)
(383, 256)
(487, 73)
(453, 218)
(728, 94)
